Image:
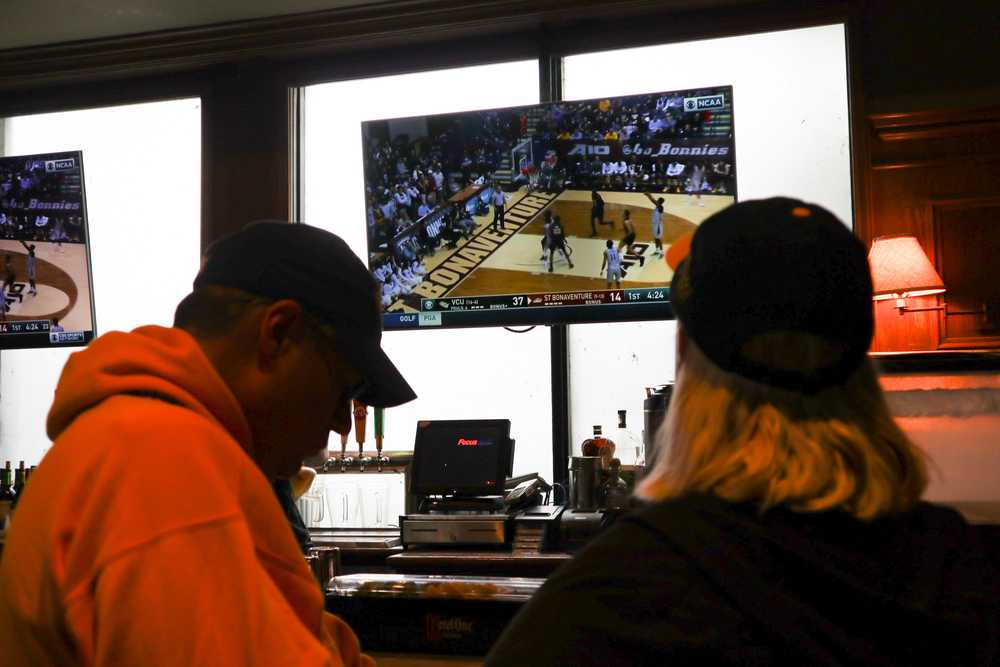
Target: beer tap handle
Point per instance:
(360, 419)
(379, 437)
(379, 429)
(345, 460)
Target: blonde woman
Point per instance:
(783, 521)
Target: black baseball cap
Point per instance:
(284, 260)
(773, 266)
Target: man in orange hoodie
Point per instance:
(150, 534)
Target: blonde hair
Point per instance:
(748, 442)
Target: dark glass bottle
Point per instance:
(19, 480)
(598, 445)
(614, 491)
(6, 495)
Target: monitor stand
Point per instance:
(447, 504)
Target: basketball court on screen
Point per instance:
(515, 266)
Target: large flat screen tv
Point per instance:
(579, 183)
(45, 279)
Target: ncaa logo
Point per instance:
(66, 164)
(705, 103)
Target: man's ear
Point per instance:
(281, 323)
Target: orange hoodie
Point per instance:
(148, 536)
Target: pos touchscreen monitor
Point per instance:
(462, 457)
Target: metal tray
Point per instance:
(429, 586)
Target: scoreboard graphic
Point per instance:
(472, 311)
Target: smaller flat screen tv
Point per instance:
(461, 457)
(45, 277)
(592, 192)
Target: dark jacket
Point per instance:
(699, 581)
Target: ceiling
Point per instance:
(53, 21)
(26, 23)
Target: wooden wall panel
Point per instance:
(245, 158)
(936, 175)
(968, 252)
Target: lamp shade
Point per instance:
(900, 268)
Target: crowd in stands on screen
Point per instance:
(424, 208)
(462, 221)
(642, 118)
(17, 224)
(398, 278)
(640, 174)
(27, 181)
(18, 187)
(436, 166)
(635, 118)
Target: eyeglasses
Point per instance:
(337, 367)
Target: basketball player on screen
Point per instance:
(557, 241)
(546, 235)
(697, 179)
(597, 213)
(9, 274)
(32, 269)
(613, 260)
(629, 241)
(657, 223)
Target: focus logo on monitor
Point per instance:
(705, 103)
(475, 442)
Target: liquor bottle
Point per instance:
(18, 484)
(614, 490)
(6, 496)
(598, 445)
(629, 445)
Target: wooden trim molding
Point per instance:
(929, 139)
(968, 360)
(922, 125)
(936, 162)
(348, 30)
(298, 35)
